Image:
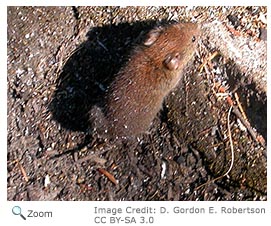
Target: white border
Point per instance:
(3, 109)
(137, 3)
(82, 212)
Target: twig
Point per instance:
(254, 135)
(245, 123)
(232, 154)
(240, 106)
(108, 175)
(212, 56)
(22, 170)
(240, 114)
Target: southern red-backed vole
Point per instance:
(154, 68)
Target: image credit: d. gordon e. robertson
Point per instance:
(152, 214)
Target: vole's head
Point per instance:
(173, 45)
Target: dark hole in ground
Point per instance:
(253, 102)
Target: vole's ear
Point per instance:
(152, 36)
(172, 61)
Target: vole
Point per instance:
(153, 70)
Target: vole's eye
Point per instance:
(193, 39)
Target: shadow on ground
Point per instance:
(90, 69)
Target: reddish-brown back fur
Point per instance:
(153, 70)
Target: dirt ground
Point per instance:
(60, 61)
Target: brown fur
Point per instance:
(153, 70)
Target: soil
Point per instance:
(60, 61)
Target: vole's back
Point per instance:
(153, 70)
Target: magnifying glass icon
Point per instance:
(16, 210)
